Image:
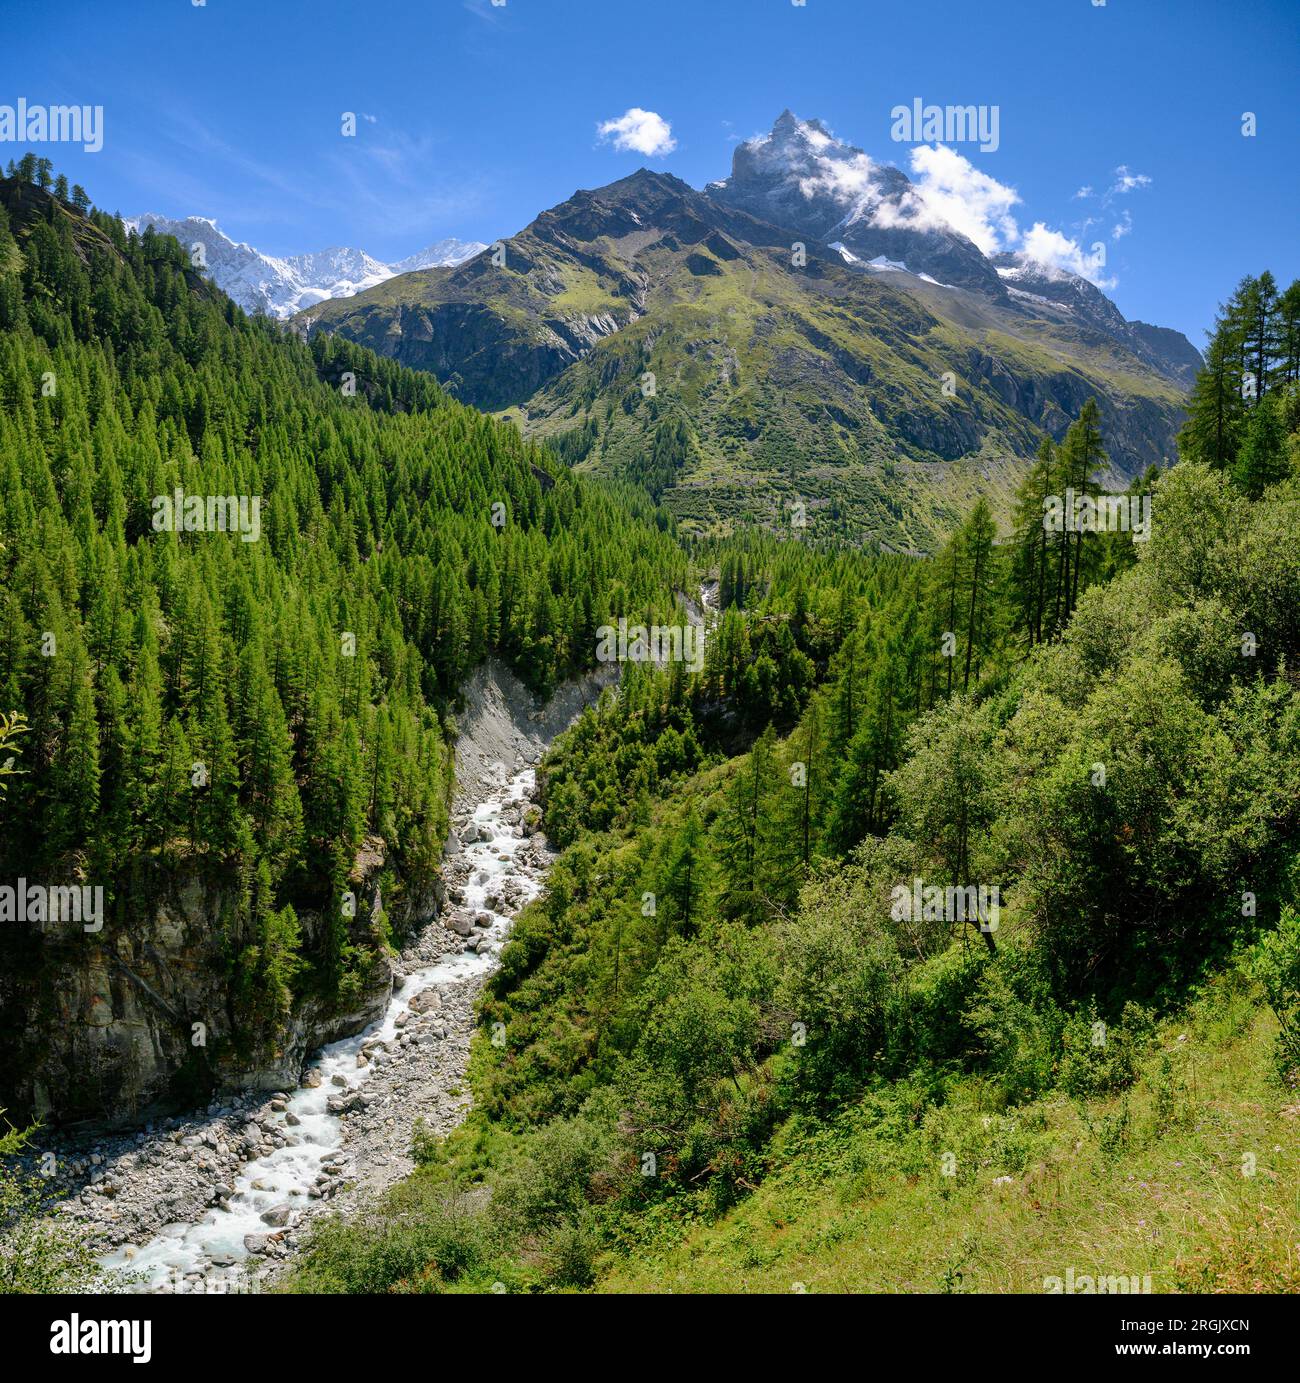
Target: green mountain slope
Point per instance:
(879, 399)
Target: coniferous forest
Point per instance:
(368, 927)
(304, 678)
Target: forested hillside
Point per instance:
(936, 879)
(250, 706)
(746, 1028)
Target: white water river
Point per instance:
(287, 1175)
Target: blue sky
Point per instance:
(481, 116)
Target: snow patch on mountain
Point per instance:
(280, 287)
(949, 224)
(440, 254)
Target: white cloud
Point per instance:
(950, 191)
(1127, 182)
(485, 10)
(946, 192)
(639, 131)
(1057, 251)
(846, 179)
(1083, 192)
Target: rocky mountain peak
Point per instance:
(802, 176)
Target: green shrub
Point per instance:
(1275, 963)
(1099, 1058)
(1015, 1040)
(442, 1241)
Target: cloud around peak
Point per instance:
(946, 192)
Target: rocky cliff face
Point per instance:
(478, 356)
(141, 1016)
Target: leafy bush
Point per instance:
(440, 1240)
(1275, 963)
(38, 1252)
(1098, 1058)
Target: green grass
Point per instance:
(584, 295)
(1149, 1182)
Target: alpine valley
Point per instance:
(745, 738)
(813, 335)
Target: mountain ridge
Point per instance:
(796, 349)
(283, 285)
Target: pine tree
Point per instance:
(1262, 460)
(1258, 312)
(747, 829)
(977, 539)
(685, 885)
(859, 806)
(1032, 567)
(1288, 336)
(1215, 408)
(76, 770)
(1082, 455)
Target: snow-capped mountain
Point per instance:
(437, 255)
(905, 281)
(800, 175)
(1035, 284)
(280, 287)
